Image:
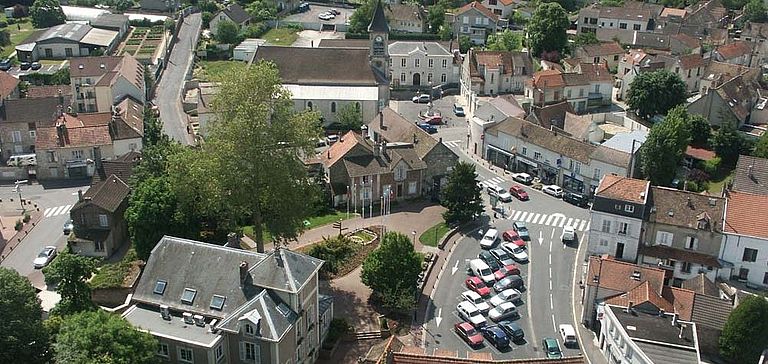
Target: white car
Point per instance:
(421, 99)
(45, 257)
(489, 239)
(568, 235)
(507, 295)
(326, 16)
(523, 178)
(553, 190)
(517, 253)
(500, 192)
(471, 313)
(472, 296)
(502, 311)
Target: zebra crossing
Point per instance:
(495, 181)
(57, 210)
(452, 143)
(557, 220)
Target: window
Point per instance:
(77, 154)
(309, 105)
(16, 135)
(616, 57)
(185, 355)
(536, 155)
(416, 63)
(250, 352)
(51, 156)
(249, 330)
(68, 52)
(411, 188)
(478, 21)
(596, 60)
(403, 62)
(219, 352)
(445, 63)
(188, 296)
(577, 167)
(162, 350)
(750, 255)
(429, 77)
(298, 353)
(98, 246)
(217, 302)
(689, 73)
(686, 267)
(623, 228)
(664, 238)
(465, 20)
(431, 63)
(691, 242)
(629, 208)
(525, 150)
(103, 222)
(636, 27)
(581, 92)
(402, 77)
(597, 174)
(33, 134)
(443, 78)
(622, 25)
(568, 93)
(357, 106)
(48, 53)
(160, 287)
(333, 106)
(597, 89)
(677, 69)
(606, 226)
(485, 21)
(743, 274)
(765, 278)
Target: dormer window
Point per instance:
(160, 287)
(249, 331)
(188, 296)
(703, 224)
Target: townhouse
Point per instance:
(233, 13)
(607, 53)
(100, 228)
(99, 83)
(629, 17)
(65, 41)
(494, 72)
(484, 114)
(502, 8)
(739, 53)
(725, 99)
(586, 86)
(476, 22)
(406, 18)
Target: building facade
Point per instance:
(100, 228)
(494, 72)
(476, 22)
(99, 83)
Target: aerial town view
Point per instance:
(384, 181)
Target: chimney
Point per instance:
(661, 312)
(690, 202)
(61, 98)
(381, 120)
(278, 257)
(629, 306)
(97, 157)
(243, 272)
(60, 133)
(384, 149)
(749, 171)
(80, 195)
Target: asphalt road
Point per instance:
(168, 96)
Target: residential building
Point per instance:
(114, 22)
(22, 116)
(494, 72)
(690, 68)
(588, 86)
(66, 41)
(99, 83)
(732, 100)
(121, 167)
(619, 208)
(607, 53)
(254, 307)
(476, 22)
(233, 13)
(684, 234)
(750, 175)
(481, 115)
(502, 8)
(406, 18)
(158, 5)
(756, 34)
(552, 115)
(735, 53)
(98, 217)
(627, 18)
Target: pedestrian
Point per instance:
(18, 26)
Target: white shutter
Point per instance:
(242, 350)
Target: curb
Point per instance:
(7, 249)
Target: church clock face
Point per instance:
(378, 39)
(378, 46)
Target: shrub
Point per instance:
(18, 225)
(3, 24)
(338, 328)
(711, 166)
(27, 218)
(334, 251)
(691, 186)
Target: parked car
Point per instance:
(502, 257)
(68, 227)
(489, 259)
(514, 238)
(489, 239)
(568, 334)
(523, 178)
(477, 285)
(468, 333)
(553, 190)
(302, 8)
(551, 348)
(507, 295)
(503, 311)
(326, 16)
(569, 235)
(513, 330)
(502, 194)
(505, 271)
(335, 12)
(513, 281)
(576, 199)
(469, 312)
(517, 253)
(477, 300)
(6, 64)
(458, 110)
(521, 229)
(36, 66)
(428, 128)
(421, 99)
(518, 192)
(434, 119)
(45, 257)
(332, 138)
(496, 336)
(25, 66)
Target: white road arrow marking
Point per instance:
(541, 237)
(438, 317)
(455, 267)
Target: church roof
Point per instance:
(379, 21)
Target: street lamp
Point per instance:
(414, 237)
(18, 189)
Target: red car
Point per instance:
(468, 333)
(506, 270)
(518, 192)
(434, 120)
(476, 284)
(514, 237)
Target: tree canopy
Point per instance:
(761, 147)
(46, 13)
(745, 334)
(361, 18)
(655, 93)
(585, 38)
(436, 18)
(24, 339)
(699, 130)
(546, 29)
(261, 10)
(70, 273)
(461, 196)
(728, 144)
(392, 270)
(504, 41)
(227, 32)
(663, 149)
(755, 11)
(350, 117)
(102, 337)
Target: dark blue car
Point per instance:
(428, 128)
(496, 336)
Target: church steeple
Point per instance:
(379, 21)
(378, 30)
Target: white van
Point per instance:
(568, 334)
(480, 269)
(22, 160)
(489, 239)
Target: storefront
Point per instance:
(500, 158)
(548, 174)
(526, 166)
(572, 183)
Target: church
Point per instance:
(328, 79)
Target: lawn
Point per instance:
(17, 36)
(432, 236)
(281, 36)
(113, 275)
(717, 182)
(212, 70)
(310, 223)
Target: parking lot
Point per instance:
(48, 68)
(411, 110)
(311, 16)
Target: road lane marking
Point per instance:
(552, 236)
(517, 214)
(552, 304)
(575, 288)
(550, 284)
(550, 272)
(550, 260)
(535, 218)
(47, 211)
(570, 220)
(523, 216)
(554, 326)
(581, 226)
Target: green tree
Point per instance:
(436, 18)
(208, 6)
(504, 41)
(761, 147)
(461, 196)
(755, 11)
(361, 18)
(663, 149)
(585, 38)
(261, 10)
(655, 93)
(745, 334)
(350, 117)
(465, 43)
(445, 32)
(546, 29)
(728, 144)
(392, 270)
(102, 337)
(5, 38)
(206, 18)
(122, 5)
(227, 32)
(24, 339)
(568, 5)
(699, 129)
(70, 272)
(334, 251)
(46, 13)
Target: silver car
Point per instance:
(45, 257)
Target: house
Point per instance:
(757, 34)
(98, 83)
(476, 22)
(502, 8)
(552, 115)
(607, 53)
(65, 41)
(22, 117)
(586, 87)
(735, 53)
(750, 175)
(729, 102)
(98, 218)
(494, 72)
(254, 307)
(690, 68)
(158, 5)
(318, 82)
(627, 18)
(390, 128)
(619, 209)
(233, 13)
(406, 18)
(481, 115)
(114, 22)
(121, 167)
(694, 156)
(683, 234)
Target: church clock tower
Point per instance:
(378, 32)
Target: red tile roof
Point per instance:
(603, 49)
(692, 61)
(84, 136)
(338, 150)
(639, 295)
(479, 7)
(733, 50)
(623, 188)
(666, 252)
(548, 78)
(48, 91)
(681, 299)
(8, 83)
(699, 153)
(618, 276)
(746, 214)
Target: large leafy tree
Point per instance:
(461, 196)
(568, 5)
(46, 13)
(728, 143)
(761, 147)
(546, 29)
(755, 11)
(70, 272)
(261, 10)
(101, 337)
(663, 149)
(436, 18)
(745, 334)
(24, 339)
(361, 18)
(699, 129)
(655, 93)
(227, 32)
(504, 41)
(585, 38)
(350, 117)
(392, 270)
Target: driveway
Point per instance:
(168, 96)
(47, 68)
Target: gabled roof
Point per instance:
(41, 110)
(379, 20)
(666, 252)
(620, 276)
(623, 189)
(106, 70)
(548, 79)
(479, 7)
(108, 194)
(702, 285)
(747, 214)
(121, 167)
(320, 66)
(410, 12)
(128, 120)
(644, 293)
(236, 13)
(687, 209)
(542, 137)
(736, 93)
(691, 61)
(687, 40)
(602, 49)
(83, 136)
(8, 83)
(551, 115)
(284, 270)
(701, 154)
(34, 92)
(733, 50)
(344, 145)
(397, 129)
(750, 175)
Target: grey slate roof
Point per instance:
(108, 194)
(284, 270)
(263, 306)
(710, 311)
(320, 66)
(236, 13)
(110, 21)
(379, 20)
(430, 47)
(750, 176)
